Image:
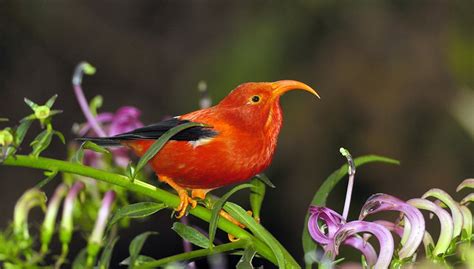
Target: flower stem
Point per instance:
(350, 184)
(187, 256)
(141, 187)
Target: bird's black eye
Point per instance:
(255, 98)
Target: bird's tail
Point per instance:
(102, 141)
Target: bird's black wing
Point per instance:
(154, 131)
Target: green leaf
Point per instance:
(60, 136)
(50, 175)
(136, 246)
(322, 194)
(138, 210)
(216, 208)
(94, 147)
(257, 193)
(80, 260)
(21, 131)
(160, 143)
(41, 142)
(4, 119)
(246, 260)
(190, 234)
(141, 259)
(241, 215)
(51, 101)
(105, 257)
(265, 180)
(31, 104)
(79, 154)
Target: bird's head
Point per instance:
(257, 103)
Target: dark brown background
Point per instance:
(388, 73)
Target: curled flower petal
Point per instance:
(446, 233)
(383, 235)
(329, 217)
(393, 227)
(384, 202)
(453, 206)
(364, 247)
(467, 222)
(468, 199)
(467, 183)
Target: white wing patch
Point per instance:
(200, 142)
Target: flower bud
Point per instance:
(96, 238)
(66, 228)
(31, 198)
(47, 229)
(6, 137)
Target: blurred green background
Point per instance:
(395, 77)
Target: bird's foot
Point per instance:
(228, 217)
(199, 193)
(185, 201)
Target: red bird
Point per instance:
(239, 143)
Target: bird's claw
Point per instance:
(183, 205)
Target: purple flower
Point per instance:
(382, 234)
(384, 202)
(329, 235)
(125, 119)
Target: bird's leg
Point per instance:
(201, 194)
(183, 196)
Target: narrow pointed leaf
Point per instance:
(136, 246)
(265, 180)
(94, 147)
(51, 101)
(138, 210)
(160, 143)
(60, 136)
(31, 104)
(191, 235)
(80, 260)
(50, 175)
(246, 261)
(241, 215)
(106, 256)
(257, 194)
(217, 207)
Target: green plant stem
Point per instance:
(188, 256)
(141, 187)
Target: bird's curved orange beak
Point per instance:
(282, 86)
